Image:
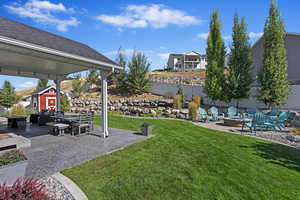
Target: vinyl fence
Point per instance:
(170, 89)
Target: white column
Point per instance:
(104, 75)
(58, 104)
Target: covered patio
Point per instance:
(29, 52)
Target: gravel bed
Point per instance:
(56, 190)
(282, 137)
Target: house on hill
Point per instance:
(187, 62)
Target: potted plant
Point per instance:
(146, 129)
(12, 166)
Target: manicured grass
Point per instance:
(184, 161)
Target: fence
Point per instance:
(170, 89)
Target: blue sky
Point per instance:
(153, 27)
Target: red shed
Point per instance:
(44, 99)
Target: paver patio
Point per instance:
(49, 154)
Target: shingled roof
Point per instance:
(25, 33)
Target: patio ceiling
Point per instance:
(30, 52)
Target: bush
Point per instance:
(30, 111)
(17, 110)
(193, 111)
(197, 100)
(65, 103)
(181, 93)
(24, 189)
(177, 102)
(114, 113)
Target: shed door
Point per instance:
(50, 103)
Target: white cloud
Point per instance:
(203, 36)
(163, 56)
(253, 35)
(44, 12)
(155, 15)
(26, 85)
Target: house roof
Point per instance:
(41, 91)
(25, 33)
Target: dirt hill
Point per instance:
(66, 86)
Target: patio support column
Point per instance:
(104, 75)
(58, 103)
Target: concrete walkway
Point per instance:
(49, 154)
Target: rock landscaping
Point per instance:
(56, 190)
(134, 107)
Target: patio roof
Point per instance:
(30, 52)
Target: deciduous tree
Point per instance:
(273, 77)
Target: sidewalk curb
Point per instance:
(76, 192)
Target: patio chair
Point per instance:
(233, 113)
(273, 115)
(203, 115)
(258, 121)
(279, 122)
(250, 112)
(84, 124)
(215, 113)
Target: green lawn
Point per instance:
(184, 161)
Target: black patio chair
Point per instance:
(83, 124)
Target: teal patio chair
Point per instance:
(203, 115)
(233, 113)
(279, 122)
(274, 112)
(258, 121)
(215, 114)
(250, 112)
(273, 115)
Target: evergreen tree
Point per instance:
(215, 52)
(273, 77)
(121, 76)
(239, 78)
(7, 95)
(92, 78)
(139, 66)
(77, 85)
(42, 83)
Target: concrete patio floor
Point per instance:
(49, 154)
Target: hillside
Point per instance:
(192, 77)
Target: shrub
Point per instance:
(197, 100)
(181, 93)
(17, 110)
(27, 189)
(65, 103)
(11, 157)
(193, 111)
(114, 113)
(177, 102)
(30, 111)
